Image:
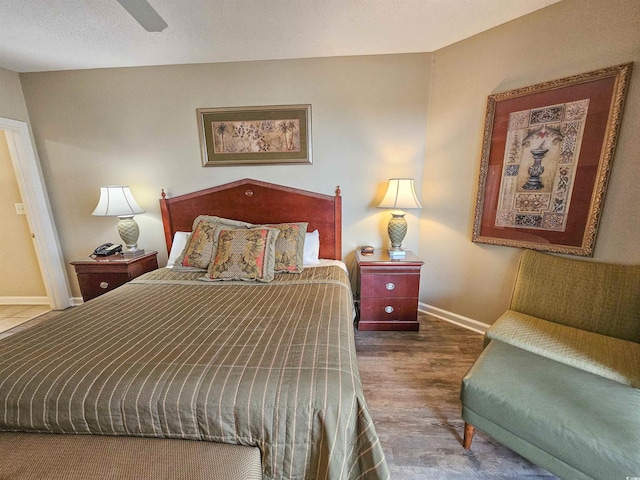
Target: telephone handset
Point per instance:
(107, 249)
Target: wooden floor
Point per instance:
(412, 387)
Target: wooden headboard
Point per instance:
(259, 202)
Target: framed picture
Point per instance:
(546, 155)
(255, 135)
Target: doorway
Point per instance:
(39, 216)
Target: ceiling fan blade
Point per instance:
(144, 14)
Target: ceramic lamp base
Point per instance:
(129, 233)
(397, 229)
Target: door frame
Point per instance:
(39, 215)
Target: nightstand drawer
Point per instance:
(93, 285)
(389, 309)
(389, 285)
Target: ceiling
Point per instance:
(43, 35)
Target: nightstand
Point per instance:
(102, 274)
(389, 291)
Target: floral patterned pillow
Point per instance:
(221, 221)
(290, 247)
(244, 254)
(199, 248)
(201, 245)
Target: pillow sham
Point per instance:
(177, 246)
(244, 254)
(311, 248)
(221, 221)
(198, 251)
(290, 246)
(201, 245)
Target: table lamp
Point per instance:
(117, 201)
(400, 195)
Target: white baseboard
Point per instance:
(75, 301)
(24, 300)
(465, 322)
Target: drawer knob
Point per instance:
(388, 309)
(104, 285)
(390, 286)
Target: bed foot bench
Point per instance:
(96, 457)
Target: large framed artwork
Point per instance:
(255, 135)
(546, 156)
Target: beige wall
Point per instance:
(571, 37)
(12, 104)
(137, 126)
(19, 266)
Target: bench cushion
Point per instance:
(608, 357)
(585, 421)
(31, 456)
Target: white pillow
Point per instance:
(311, 248)
(179, 242)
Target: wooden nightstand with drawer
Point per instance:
(389, 291)
(102, 274)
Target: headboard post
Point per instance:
(166, 221)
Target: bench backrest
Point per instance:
(594, 296)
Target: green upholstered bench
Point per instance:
(573, 423)
(40, 456)
(558, 381)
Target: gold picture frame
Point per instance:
(546, 156)
(267, 135)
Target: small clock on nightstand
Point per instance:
(102, 274)
(388, 291)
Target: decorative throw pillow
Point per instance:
(290, 247)
(244, 254)
(201, 245)
(199, 249)
(221, 221)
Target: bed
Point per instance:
(266, 364)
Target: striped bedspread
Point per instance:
(267, 365)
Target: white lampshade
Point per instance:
(116, 201)
(400, 194)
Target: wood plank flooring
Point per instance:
(412, 387)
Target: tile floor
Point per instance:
(13, 315)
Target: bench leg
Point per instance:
(469, 430)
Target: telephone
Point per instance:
(107, 249)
